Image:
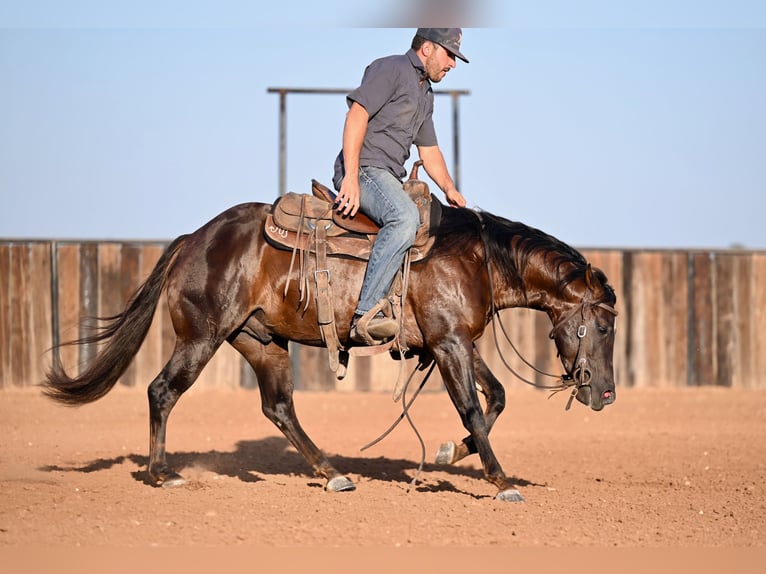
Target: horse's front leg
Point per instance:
(451, 452)
(456, 363)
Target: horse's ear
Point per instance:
(589, 279)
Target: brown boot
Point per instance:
(373, 330)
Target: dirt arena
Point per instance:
(659, 468)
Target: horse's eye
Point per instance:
(603, 330)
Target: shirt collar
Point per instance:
(418, 65)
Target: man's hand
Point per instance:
(455, 198)
(347, 200)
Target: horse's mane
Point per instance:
(512, 245)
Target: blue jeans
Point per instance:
(383, 199)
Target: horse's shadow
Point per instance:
(273, 456)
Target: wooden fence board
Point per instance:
(734, 294)
(626, 325)
(130, 279)
(20, 372)
(675, 297)
(703, 308)
(69, 305)
(40, 325)
(88, 299)
(725, 331)
(150, 357)
(756, 313)
(110, 301)
(644, 329)
(6, 346)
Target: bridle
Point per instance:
(579, 375)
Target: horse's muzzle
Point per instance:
(596, 400)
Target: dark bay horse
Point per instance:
(224, 282)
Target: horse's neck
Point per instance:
(539, 289)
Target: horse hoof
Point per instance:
(172, 481)
(446, 453)
(340, 484)
(510, 495)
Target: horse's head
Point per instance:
(584, 334)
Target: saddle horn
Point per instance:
(414, 172)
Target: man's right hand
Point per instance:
(347, 200)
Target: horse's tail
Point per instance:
(124, 333)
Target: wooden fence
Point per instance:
(686, 318)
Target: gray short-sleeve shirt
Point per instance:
(399, 101)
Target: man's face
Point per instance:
(438, 63)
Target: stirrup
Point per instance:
(369, 329)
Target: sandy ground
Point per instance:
(658, 469)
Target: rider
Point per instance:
(389, 112)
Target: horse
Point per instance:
(225, 283)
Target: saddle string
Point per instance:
(296, 248)
(304, 290)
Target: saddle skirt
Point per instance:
(298, 221)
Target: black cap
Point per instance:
(448, 38)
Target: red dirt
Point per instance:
(659, 468)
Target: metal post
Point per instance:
(456, 137)
(282, 142)
(55, 327)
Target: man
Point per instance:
(389, 112)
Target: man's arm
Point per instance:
(354, 131)
(436, 168)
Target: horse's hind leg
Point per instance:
(176, 377)
(271, 363)
(494, 393)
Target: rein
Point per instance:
(580, 375)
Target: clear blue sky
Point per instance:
(606, 124)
